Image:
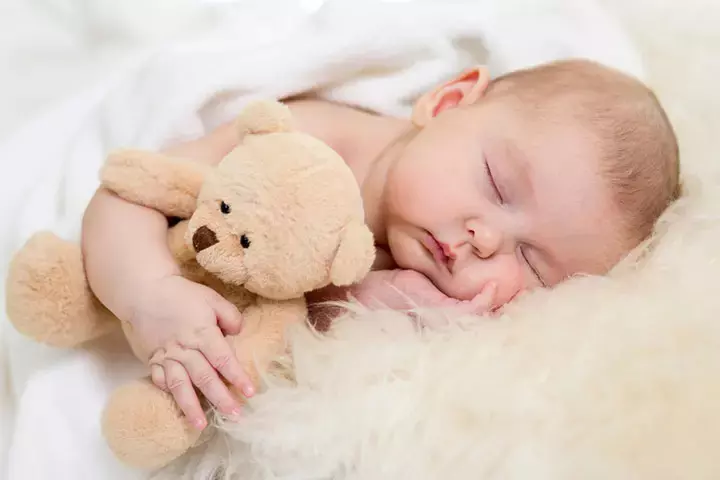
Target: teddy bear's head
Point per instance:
(282, 214)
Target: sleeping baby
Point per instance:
(493, 187)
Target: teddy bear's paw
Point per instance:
(144, 427)
(161, 182)
(47, 295)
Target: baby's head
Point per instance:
(530, 178)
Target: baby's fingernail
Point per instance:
(249, 390)
(199, 423)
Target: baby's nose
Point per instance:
(485, 239)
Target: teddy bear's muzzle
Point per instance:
(203, 238)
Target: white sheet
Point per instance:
(376, 54)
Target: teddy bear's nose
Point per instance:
(203, 238)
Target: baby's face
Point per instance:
(485, 194)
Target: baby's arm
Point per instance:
(130, 269)
(403, 290)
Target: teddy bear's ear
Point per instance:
(355, 255)
(264, 116)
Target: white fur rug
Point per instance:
(603, 378)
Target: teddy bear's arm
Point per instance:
(168, 184)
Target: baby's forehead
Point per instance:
(522, 136)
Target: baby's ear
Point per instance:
(355, 255)
(264, 116)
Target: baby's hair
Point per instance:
(639, 149)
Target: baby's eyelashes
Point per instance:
(533, 270)
(493, 184)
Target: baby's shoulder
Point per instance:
(318, 118)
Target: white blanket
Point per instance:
(379, 55)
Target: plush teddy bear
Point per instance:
(281, 215)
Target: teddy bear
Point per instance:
(280, 216)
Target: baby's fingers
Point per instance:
(228, 316)
(221, 356)
(179, 384)
(484, 301)
(206, 379)
(157, 374)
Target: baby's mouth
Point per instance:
(440, 251)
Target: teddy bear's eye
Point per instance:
(244, 241)
(224, 208)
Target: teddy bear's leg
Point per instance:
(264, 331)
(48, 297)
(144, 427)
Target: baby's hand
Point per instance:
(408, 289)
(183, 324)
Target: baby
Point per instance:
(492, 188)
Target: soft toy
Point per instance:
(280, 216)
